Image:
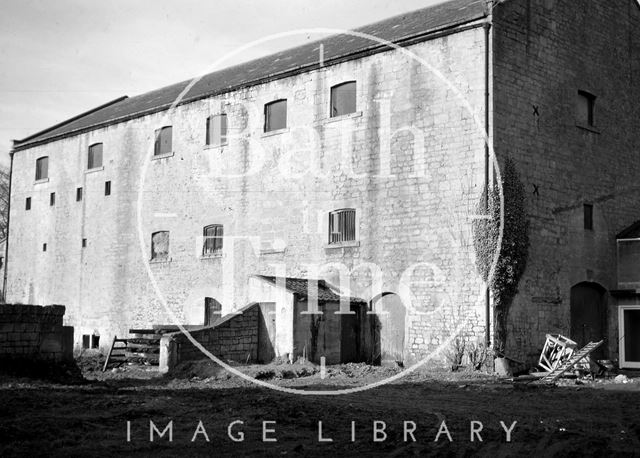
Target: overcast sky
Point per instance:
(60, 58)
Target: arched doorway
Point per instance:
(388, 329)
(588, 315)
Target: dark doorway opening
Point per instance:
(266, 332)
(588, 316)
(212, 311)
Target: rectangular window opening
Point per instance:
(217, 130)
(160, 246)
(275, 115)
(95, 341)
(107, 188)
(588, 216)
(343, 99)
(94, 157)
(78, 194)
(86, 341)
(42, 168)
(44, 247)
(52, 199)
(585, 108)
(163, 141)
(27, 203)
(84, 243)
(342, 226)
(213, 238)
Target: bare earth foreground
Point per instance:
(39, 418)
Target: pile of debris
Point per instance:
(561, 356)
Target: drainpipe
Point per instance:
(487, 34)
(6, 242)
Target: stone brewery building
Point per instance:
(350, 158)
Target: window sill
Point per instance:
(160, 261)
(220, 146)
(350, 244)
(95, 169)
(207, 257)
(275, 132)
(162, 156)
(588, 128)
(41, 180)
(355, 114)
(272, 251)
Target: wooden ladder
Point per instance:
(574, 359)
(117, 354)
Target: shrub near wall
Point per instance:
(34, 333)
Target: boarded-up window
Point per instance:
(629, 264)
(94, 158)
(585, 107)
(212, 311)
(342, 225)
(160, 246)
(213, 237)
(164, 139)
(343, 99)
(275, 115)
(42, 168)
(217, 130)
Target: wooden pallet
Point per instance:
(574, 359)
(144, 345)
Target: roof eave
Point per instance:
(449, 29)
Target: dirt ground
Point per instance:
(90, 417)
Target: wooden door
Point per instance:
(588, 316)
(389, 329)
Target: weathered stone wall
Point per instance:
(410, 161)
(234, 339)
(31, 332)
(544, 52)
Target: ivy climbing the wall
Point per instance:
(514, 247)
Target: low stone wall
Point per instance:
(33, 332)
(234, 338)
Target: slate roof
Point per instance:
(632, 232)
(300, 286)
(402, 29)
